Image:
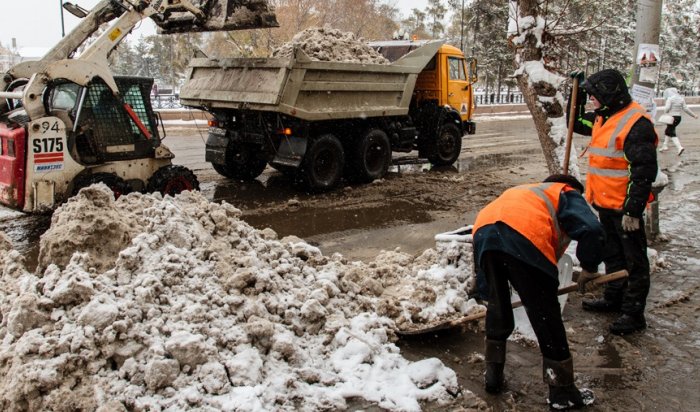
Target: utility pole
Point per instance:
(461, 29)
(647, 61)
(646, 43)
(63, 27)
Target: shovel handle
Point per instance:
(476, 316)
(600, 280)
(570, 130)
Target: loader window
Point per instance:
(456, 65)
(64, 96)
(134, 97)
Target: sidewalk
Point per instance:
(502, 109)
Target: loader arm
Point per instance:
(171, 16)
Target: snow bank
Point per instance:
(201, 311)
(326, 44)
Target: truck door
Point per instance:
(458, 95)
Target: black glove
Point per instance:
(581, 96)
(581, 76)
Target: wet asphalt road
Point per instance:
(627, 374)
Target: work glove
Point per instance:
(577, 74)
(583, 278)
(629, 223)
(581, 96)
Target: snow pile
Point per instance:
(202, 311)
(326, 44)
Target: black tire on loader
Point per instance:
(118, 186)
(447, 146)
(370, 157)
(241, 163)
(171, 180)
(322, 167)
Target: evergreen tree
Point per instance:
(680, 55)
(435, 14)
(414, 24)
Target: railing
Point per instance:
(166, 101)
(498, 98)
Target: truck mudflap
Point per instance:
(216, 148)
(469, 127)
(290, 152)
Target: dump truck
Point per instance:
(66, 122)
(321, 121)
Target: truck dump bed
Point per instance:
(306, 89)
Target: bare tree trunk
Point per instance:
(538, 84)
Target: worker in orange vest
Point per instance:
(518, 239)
(622, 168)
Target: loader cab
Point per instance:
(100, 128)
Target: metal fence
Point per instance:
(166, 101)
(482, 98)
(172, 101)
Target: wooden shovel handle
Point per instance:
(476, 316)
(601, 280)
(570, 130)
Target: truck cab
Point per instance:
(447, 80)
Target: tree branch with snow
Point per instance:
(539, 83)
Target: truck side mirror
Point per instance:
(473, 72)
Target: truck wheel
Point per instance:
(371, 157)
(118, 186)
(171, 180)
(448, 146)
(241, 163)
(323, 163)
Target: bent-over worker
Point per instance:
(622, 167)
(519, 238)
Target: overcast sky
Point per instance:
(37, 23)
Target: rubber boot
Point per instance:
(495, 355)
(563, 393)
(664, 146)
(627, 324)
(677, 142)
(601, 305)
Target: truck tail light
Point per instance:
(213, 123)
(287, 131)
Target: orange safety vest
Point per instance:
(608, 169)
(530, 210)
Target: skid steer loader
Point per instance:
(66, 122)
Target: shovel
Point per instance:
(448, 324)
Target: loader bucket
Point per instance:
(215, 15)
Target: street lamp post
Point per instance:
(461, 29)
(63, 28)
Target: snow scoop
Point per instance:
(570, 130)
(451, 323)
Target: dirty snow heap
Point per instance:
(201, 311)
(326, 44)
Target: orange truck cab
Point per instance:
(448, 79)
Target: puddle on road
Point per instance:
(25, 232)
(306, 222)
(467, 164)
(277, 189)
